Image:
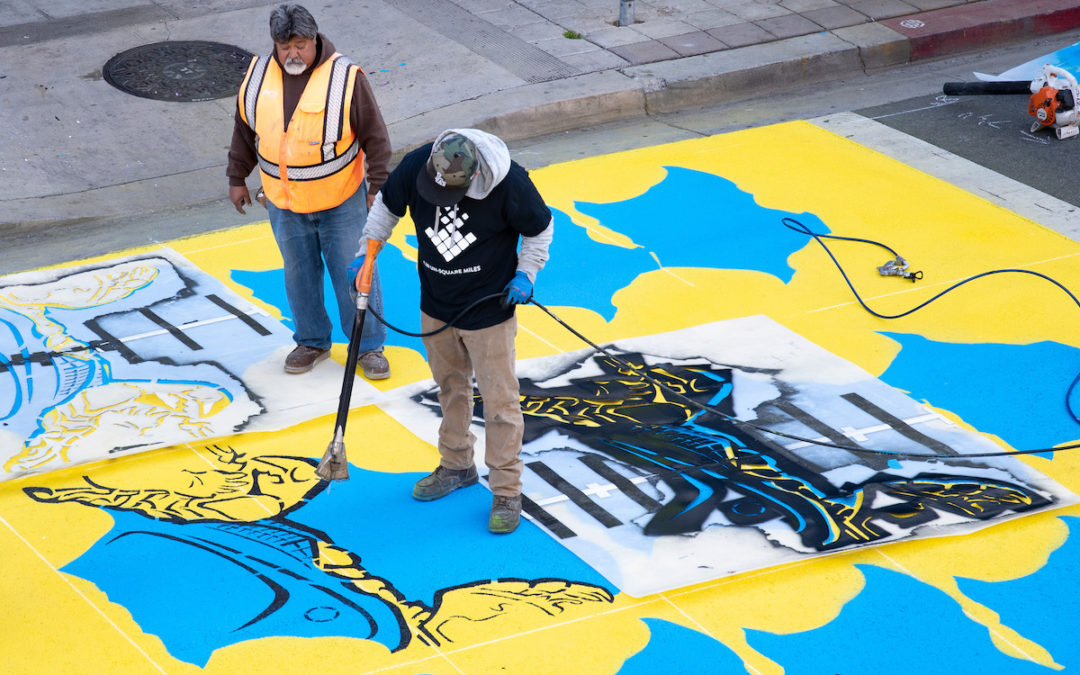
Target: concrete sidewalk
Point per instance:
(75, 148)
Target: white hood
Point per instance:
(494, 160)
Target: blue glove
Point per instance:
(519, 290)
(354, 269)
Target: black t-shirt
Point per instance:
(469, 250)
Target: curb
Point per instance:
(530, 110)
(726, 76)
(666, 86)
(968, 27)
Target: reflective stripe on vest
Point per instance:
(254, 86)
(341, 168)
(313, 172)
(335, 105)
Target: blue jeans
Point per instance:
(306, 240)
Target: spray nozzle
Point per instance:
(898, 268)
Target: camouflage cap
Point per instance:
(449, 170)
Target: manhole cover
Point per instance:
(179, 71)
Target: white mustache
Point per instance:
(295, 66)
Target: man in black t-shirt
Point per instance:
(472, 206)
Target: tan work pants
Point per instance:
(454, 356)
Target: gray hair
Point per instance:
(291, 20)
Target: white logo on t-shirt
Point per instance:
(446, 235)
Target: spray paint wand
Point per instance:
(334, 464)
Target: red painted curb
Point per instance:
(978, 25)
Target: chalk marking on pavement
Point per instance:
(915, 110)
(667, 270)
(537, 336)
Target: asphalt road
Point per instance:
(992, 131)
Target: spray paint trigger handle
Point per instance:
(898, 268)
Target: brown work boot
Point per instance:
(375, 365)
(505, 514)
(304, 358)
(443, 481)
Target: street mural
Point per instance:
(282, 574)
(131, 355)
(654, 481)
(751, 471)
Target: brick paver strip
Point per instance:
(836, 17)
(882, 9)
(692, 44)
(649, 51)
(791, 25)
(741, 34)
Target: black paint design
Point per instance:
(710, 467)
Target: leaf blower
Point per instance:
(1052, 98)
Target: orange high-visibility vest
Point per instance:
(317, 164)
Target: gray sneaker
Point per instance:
(505, 514)
(443, 481)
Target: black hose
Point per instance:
(795, 225)
(791, 224)
(840, 446)
(443, 327)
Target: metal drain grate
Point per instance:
(179, 71)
